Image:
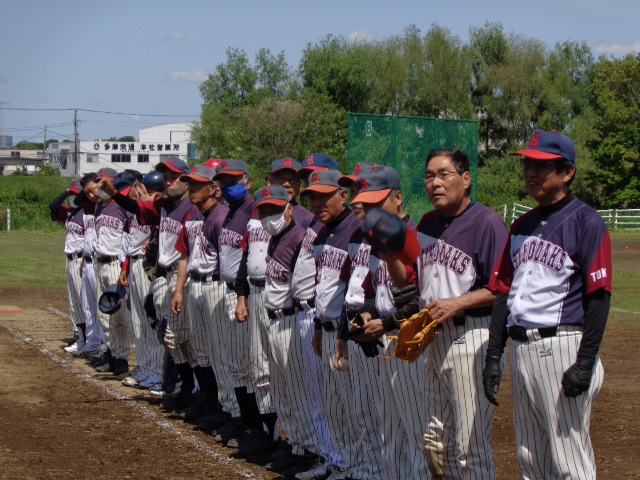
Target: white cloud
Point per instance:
(188, 76)
(361, 36)
(618, 50)
(175, 38)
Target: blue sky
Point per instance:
(149, 57)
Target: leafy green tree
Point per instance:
(615, 97)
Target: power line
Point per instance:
(98, 111)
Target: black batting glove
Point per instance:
(577, 379)
(491, 377)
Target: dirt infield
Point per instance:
(61, 419)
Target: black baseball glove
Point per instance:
(577, 379)
(491, 377)
(370, 349)
(150, 310)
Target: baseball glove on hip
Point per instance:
(415, 335)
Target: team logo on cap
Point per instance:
(288, 162)
(310, 160)
(362, 184)
(101, 172)
(170, 161)
(534, 140)
(356, 171)
(223, 165)
(315, 178)
(194, 170)
(266, 193)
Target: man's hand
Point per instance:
(141, 192)
(107, 187)
(122, 279)
(176, 303)
(373, 330)
(491, 377)
(316, 343)
(342, 351)
(445, 308)
(577, 379)
(242, 312)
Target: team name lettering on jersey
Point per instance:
(258, 235)
(361, 258)
(540, 251)
(108, 222)
(598, 274)
(170, 226)
(75, 229)
(277, 272)
(194, 232)
(448, 256)
(307, 242)
(332, 259)
(381, 276)
(229, 238)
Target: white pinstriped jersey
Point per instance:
(234, 228)
(257, 243)
(454, 258)
(109, 224)
(190, 241)
(138, 235)
(303, 283)
(281, 259)
(356, 269)
(73, 219)
(330, 251)
(169, 217)
(549, 264)
(211, 230)
(90, 237)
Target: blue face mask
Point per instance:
(234, 192)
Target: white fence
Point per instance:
(627, 219)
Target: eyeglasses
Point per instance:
(538, 166)
(442, 176)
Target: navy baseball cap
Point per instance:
(273, 194)
(389, 233)
(74, 187)
(174, 165)
(323, 181)
(285, 164)
(376, 184)
(232, 167)
(347, 180)
(111, 299)
(316, 161)
(199, 173)
(109, 173)
(547, 146)
(123, 181)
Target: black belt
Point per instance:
(520, 333)
(311, 303)
(258, 281)
(160, 272)
(208, 277)
(106, 259)
(283, 312)
(73, 256)
(87, 259)
(327, 326)
(137, 257)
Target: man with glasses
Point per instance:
(554, 291)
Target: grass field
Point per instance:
(36, 258)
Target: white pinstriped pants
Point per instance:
(552, 430)
(149, 350)
(287, 382)
(74, 292)
(458, 437)
(115, 327)
(90, 307)
(315, 391)
(259, 349)
(235, 360)
(404, 417)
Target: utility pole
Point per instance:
(1, 132)
(75, 148)
(44, 142)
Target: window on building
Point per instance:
(143, 158)
(15, 154)
(164, 158)
(121, 157)
(92, 158)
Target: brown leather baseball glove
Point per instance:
(415, 335)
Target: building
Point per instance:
(28, 160)
(6, 141)
(156, 145)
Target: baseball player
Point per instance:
(328, 203)
(204, 292)
(149, 350)
(404, 419)
(234, 181)
(349, 181)
(554, 290)
(303, 289)
(72, 217)
(109, 224)
(89, 290)
(168, 214)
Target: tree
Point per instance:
(615, 97)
